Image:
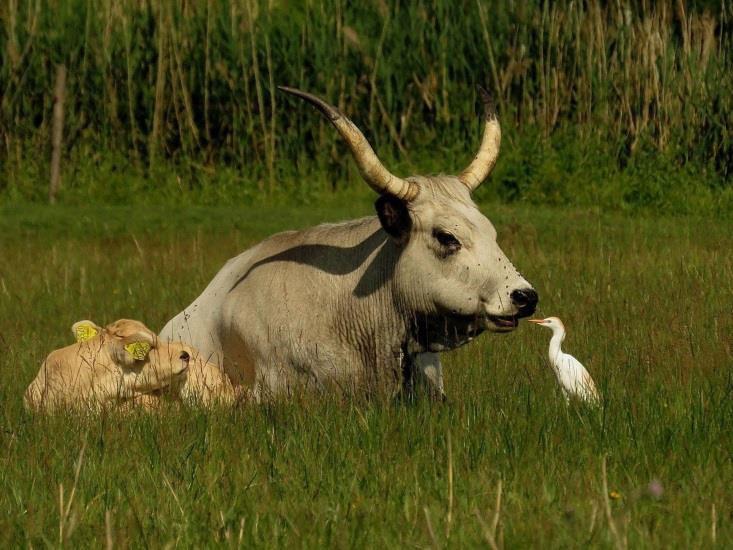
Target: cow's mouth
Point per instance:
(502, 323)
(450, 330)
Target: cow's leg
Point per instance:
(424, 371)
(428, 365)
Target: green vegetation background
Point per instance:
(622, 105)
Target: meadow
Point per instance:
(647, 301)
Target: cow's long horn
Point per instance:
(485, 160)
(372, 170)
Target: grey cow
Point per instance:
(363, 305)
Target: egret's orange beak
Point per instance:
(538, 321)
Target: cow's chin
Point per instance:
(449, 330)
(500, 323)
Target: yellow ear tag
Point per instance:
(85, 332)
(138, 350)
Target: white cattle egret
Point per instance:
(574, 380)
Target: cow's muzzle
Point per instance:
(525, 300)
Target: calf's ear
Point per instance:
(132, 340)
(85, 330)
(138, 350)
(394, 217)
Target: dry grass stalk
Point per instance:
(713, 524)
(134, 130)
(251, 14)
(618, 540)
(273, 114)
(449, 515)
(59, 97)
(67, 521)
(177, 68)
(160, 85)
(490, 531)
(108, 534)
(207, 71)
(431, 531)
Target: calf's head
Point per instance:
(450, 268)
(140, 361)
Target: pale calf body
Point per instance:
(123, 363)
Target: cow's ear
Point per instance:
(394, 217)
(84, 330)
(138, 350)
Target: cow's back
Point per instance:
(272, 313)
(200, 323)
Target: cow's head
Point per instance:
(139, 359)
(451, 272)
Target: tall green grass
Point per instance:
(585, 89)
(647, 303)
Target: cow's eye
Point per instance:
(446, 240)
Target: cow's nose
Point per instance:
(525, 299)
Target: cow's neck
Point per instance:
(368, 315)
(373, 314)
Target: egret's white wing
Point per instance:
(575, 379)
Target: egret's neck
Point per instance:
(558, 335)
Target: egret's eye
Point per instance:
(446, 240)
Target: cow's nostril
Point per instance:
(525, 299)
(184, 356)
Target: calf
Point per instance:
(123, 363)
